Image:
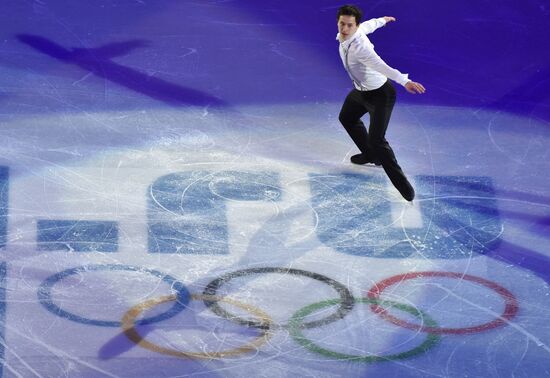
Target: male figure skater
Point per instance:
(373, 93)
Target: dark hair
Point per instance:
(350, 10)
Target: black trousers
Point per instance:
(372, 143)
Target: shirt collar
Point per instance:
(347, 42)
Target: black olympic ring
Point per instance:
(347, 300)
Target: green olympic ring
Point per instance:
(296, 331)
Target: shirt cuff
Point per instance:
(404, 79)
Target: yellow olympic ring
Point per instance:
(128, 323)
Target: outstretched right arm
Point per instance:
(371, 25)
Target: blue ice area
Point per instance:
(176, 196)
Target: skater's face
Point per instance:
(347, 26)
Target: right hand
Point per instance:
(414, 88)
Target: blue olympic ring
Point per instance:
(45, 294)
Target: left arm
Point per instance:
(370, 58)
(374, 61)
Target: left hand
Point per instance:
(389, 19)
(413, 87)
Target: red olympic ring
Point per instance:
(510, 309)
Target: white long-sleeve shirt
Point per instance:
(367, 70)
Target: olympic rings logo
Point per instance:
(296, 326)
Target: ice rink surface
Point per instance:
(176, 196)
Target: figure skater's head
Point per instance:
(349, 18)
